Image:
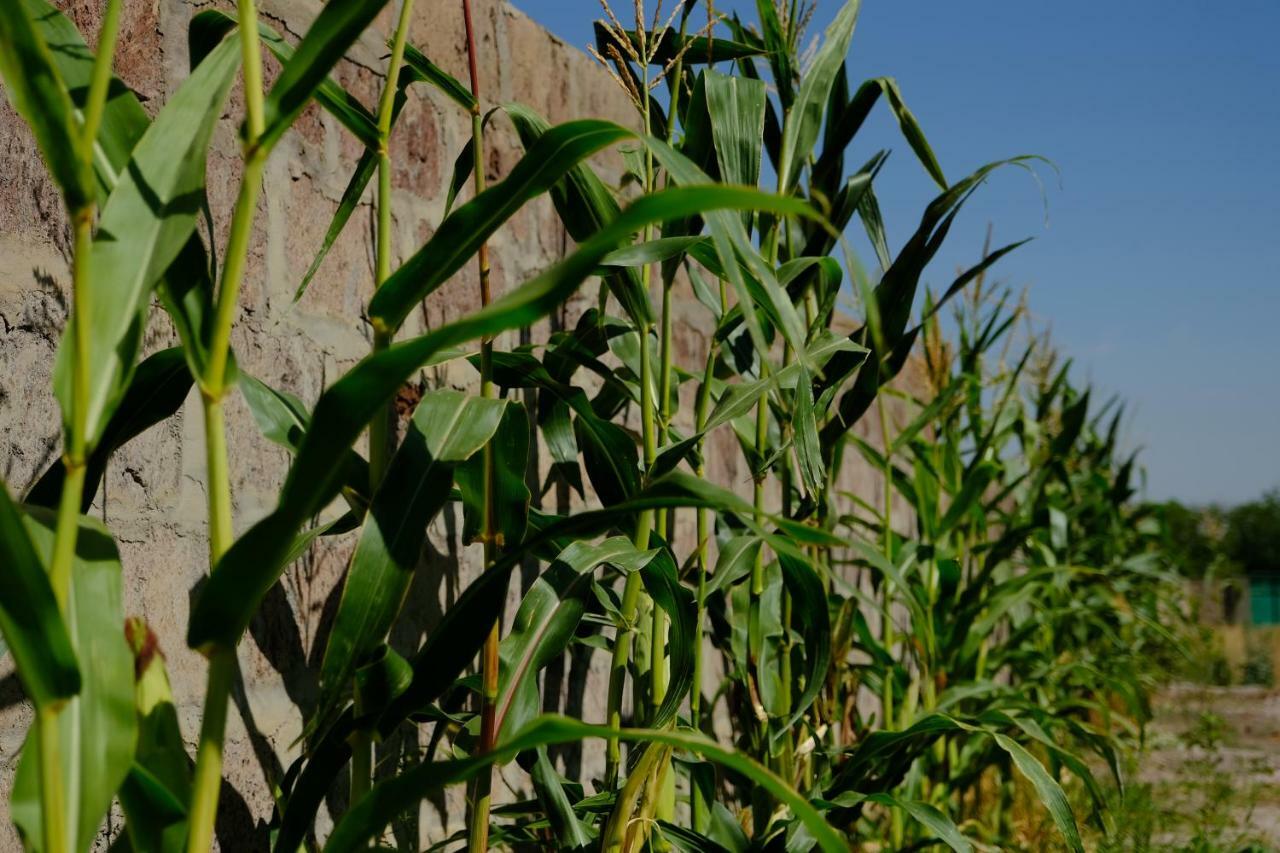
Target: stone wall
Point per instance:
(153, 496)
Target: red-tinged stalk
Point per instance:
(478, 837)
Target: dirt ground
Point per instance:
(1210, 778)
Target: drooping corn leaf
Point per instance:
(213, 24)
(247, 571)
(809, 612)
(335, 29)
(510, 497)
(32, 626)
(283, 419)
(156, 392)
(546, 621)
(462, 233)
(123, 118)
(873, 754)
(455, 642)
(891, 301)
(389, 799)
(841, 131)
(426, 71)
(661, 249)
(1049, 791)
(662, 584)
(448, 427)
(146, 221)
(571, 833)
(38, 93)
(937, 822)
(98, 728)
(585, 205)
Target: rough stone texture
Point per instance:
(153, 496)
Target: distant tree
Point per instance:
(1252, 538)
(1194, 539)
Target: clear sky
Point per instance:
(1159, 266)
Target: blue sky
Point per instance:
(1159, 267)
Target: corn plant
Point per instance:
(996, 632)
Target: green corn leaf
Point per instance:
(585, 205)
(247, 571)
(417, 69)
(900, 747)
(687, 841)
(663, 585)
(156, 392)
(123, 118)
(335, 29)
(546, 621)
(426, 71)
(325, 761)
(461, 234)
(738, 399)
(661, 249)
(810, 613)
(609, 452)
(928, 816)
(448, 427)
(213, 24)
(971, 492)
(1073, 419)
(736, 109)
(97, 730)
(38, 93)
(283, 419)
(383, 676)
(842, 130)
(510, 497)
(734, 562)
(805, 443)
(364, 171)
(734, 246)
(890, 304)
(147, 220)
(460, 634)
(868, 208)
(456, 641)
(779, 52)
(804, 118)
(32, 627)
(570, 832)
(1049, 791)
(389, 799)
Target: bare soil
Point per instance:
(1213, 768)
